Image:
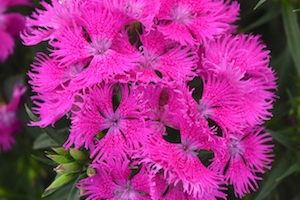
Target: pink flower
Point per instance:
(45, 24)
(243, 60)
(113, 181)
(163, 105)
(180, 164)
(143, 11)
(192, 22)
(222, 103)
(164, 61)
(9, 122)
(10, 26)
(161, 190)
(121, 128)
(53, 85)
(94, 40)
(247, 155)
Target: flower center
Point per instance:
(7, 117)
(235, 147)
(147, 60)
(114, 120)
(125, 192)
(100, 46)
(188, 147)
(204, 109)
(134, 9)
(181, 14)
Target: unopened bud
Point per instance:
(60, 181)
(77, 155)
(67, 168)
(90, 172)
(60, 151)
(59, 158)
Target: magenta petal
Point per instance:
(18, 91)
(9, 122)
(15, 23)
(9, 3)
(7, 45)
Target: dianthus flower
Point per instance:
(194, 22)
(122, 126)
(164, 60)
(179, 161)
(222, 103)
(244, 61)
(113, 180)
(9, 122)
(247, 156)
(53, 85)
(10, 26)
(94, 40)
(143, 11)
(46, 23)
(161, 190)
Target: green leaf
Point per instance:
(283, 139)
(60, 181)
(268, 16)
(43, 141)
(44, 160)
(74, 191)
(292, 169)
(61, 193)
(58, 137)
(259, 4)
(296, 10)
(292, 32)
(32, 116)
(271, 181)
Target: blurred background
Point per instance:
(23, 175)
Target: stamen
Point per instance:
(181, 14)
(100, 46)
(235, 147)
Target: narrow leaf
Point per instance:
(283, 139)
(43, 141)
(59, 138)
(61, 193)
(59, 182)
(292, 32)
(259, 4)
(292, 169)
(74, 192)
(44, 160)
(268, 16)
(270, 182)
(32, 116)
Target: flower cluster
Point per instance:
(10, 26)
(153, 88)
(9, 122)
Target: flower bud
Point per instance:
(68, 168)
(59, 158)
(60, 151)
(77, 155)
(60, 181)
(90, 172)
